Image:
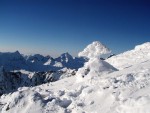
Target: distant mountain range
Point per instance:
(16, 61)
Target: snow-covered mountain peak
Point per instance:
(95, 49)
(37, 58)
(12, 60)
(49, 57)
(15, 54)
(66, 55)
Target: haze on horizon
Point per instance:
(55, 26)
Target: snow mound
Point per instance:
(94, 50)
(140, 54)
(94, 67)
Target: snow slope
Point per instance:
(139, 54)
(125, 91)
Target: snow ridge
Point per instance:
(139, 54)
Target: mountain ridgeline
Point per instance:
(16, 61)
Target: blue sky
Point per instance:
(57, 26)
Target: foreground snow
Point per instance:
(125, 91)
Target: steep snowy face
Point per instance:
(96, 49)
(64, 58)
(140, 54)
(37, 58)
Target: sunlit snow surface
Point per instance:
(139, 54)
(95, 49)
(123, 91)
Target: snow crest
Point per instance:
(96, 49)
(140, 54)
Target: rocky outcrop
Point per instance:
(11, 81)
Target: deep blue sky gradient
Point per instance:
(57, 26)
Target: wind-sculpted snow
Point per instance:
(95, 66)
(96, 49)
(140, 54)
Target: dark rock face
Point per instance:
(111, 56)
(11, 81)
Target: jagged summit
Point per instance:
(13, 54)
(38, 62)
(65, 57)
(12, 60)
(37, 58)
